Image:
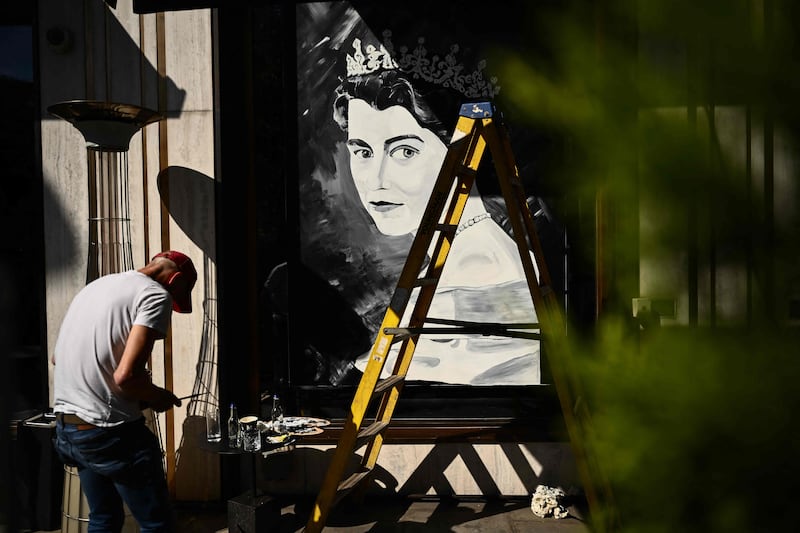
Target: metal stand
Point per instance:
(107, 129)
(252, 511)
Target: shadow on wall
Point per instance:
(301, 473)
(189, 197)
(553, 460)
(197, 475)
(548, 463)
(60, 40)
(65, 256)
(125, 52)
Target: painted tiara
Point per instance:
(445, 71)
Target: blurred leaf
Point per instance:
(694, 425)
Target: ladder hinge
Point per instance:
(477, 110)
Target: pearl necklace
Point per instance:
(471, 222)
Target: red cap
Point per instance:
(182, 301)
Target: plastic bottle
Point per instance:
(234, 439)
(277, 414)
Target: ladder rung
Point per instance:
(497, 330)
(421, 282)
(386, 384)
(465, 170)
(369, 433)
(512, 325)
(398, 337)
(350, 483)
(447, 228)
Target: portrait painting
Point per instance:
(378, 97)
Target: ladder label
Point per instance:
(382, 344)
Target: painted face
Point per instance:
(394, 162)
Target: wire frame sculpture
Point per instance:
(109, 217)
(205, 391)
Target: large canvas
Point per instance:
(377, 99)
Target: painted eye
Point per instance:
(362, 153)
(403, 152)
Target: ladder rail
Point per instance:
(465, 171)
(461, 148)
(553, 325)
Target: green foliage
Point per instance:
(693, 423)
(694, 426)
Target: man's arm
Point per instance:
(131, 375)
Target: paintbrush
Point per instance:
(190, 396)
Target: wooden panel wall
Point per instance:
(162, 62)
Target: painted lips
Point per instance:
(383, 207)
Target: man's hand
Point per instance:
(163, 400)
(132, 377)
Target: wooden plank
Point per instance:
(65, 193)
(188, 61)
(123, 54)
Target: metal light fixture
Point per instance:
(107, 128)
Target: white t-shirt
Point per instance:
(92, 340)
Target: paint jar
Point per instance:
(251, 433)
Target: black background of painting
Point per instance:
(305, 319)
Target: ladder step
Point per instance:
(422, 282)
(464, 170)
(499, 330)
(398, 337)
(447, 228)
(369, 433)
(386, 384)
(346, 486)
(354, 479)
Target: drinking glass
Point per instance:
(251, 434)
(213, 428)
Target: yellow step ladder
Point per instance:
(477, 128)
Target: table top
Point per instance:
(267, 448)
(296, 426)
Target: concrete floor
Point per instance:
(381, 514)
(377, 515)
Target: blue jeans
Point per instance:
(118, 464)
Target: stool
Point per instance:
(75, 508)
